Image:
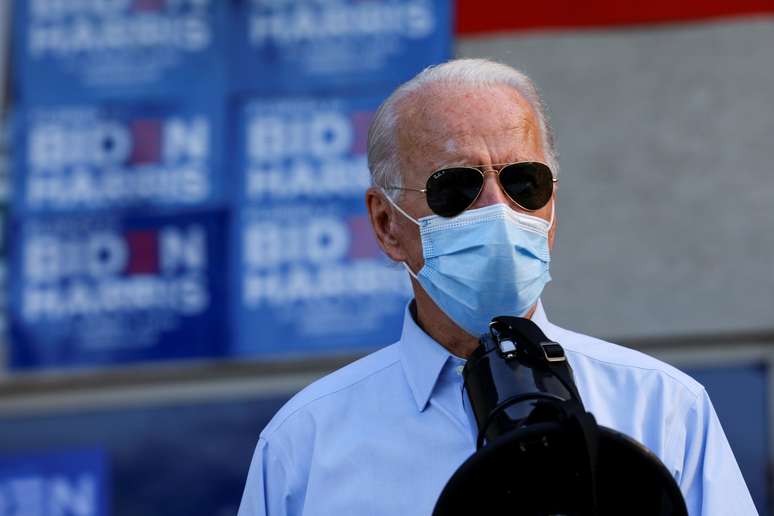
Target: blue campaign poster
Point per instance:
(303, 46)
(309, 276)
(54, 483)
(88, 290)
(172, 459)
(86, 50)
(312, 279)
(306, 149)
(119, 156)
(739, 395)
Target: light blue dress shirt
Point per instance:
(382, 435)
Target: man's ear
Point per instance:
(382, 217)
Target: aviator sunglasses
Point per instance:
(450, 191)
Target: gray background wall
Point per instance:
(666, 198)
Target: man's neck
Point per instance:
(443, 330)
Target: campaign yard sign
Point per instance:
(119, 156)
(312, 279)
(309, 275)
(100, 289)
(4, 191)
(3, 278)
(71, 483)
(307, 149)
(116, 49)
(306, 46)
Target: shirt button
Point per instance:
(459, 369)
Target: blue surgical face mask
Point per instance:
(483, 263)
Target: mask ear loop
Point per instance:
(408, 269)
(412, 219)
(553, 212)
(401, 210)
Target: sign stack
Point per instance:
(189, 176)
(310, 276)
(119, 211)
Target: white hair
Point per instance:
(383, 159)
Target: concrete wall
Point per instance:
(666, 199)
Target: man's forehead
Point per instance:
(439, 126)
(454, 136)
(459, 107)
(453, 147)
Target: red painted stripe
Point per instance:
(482, 16)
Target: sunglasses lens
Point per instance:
(529, 184)
(451, 190)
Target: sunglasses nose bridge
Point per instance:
(491, 190)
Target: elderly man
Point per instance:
(464, 190)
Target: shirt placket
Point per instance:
(450, 398)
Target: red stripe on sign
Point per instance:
(146, 141)
(477, 17)
(364, 244)
(143, 252)
(148, 5)
(361, 120)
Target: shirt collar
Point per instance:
(423, 358)
(539, 318)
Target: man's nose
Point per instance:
(491, 193)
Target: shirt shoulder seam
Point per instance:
(264, 435)
(696, 393)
